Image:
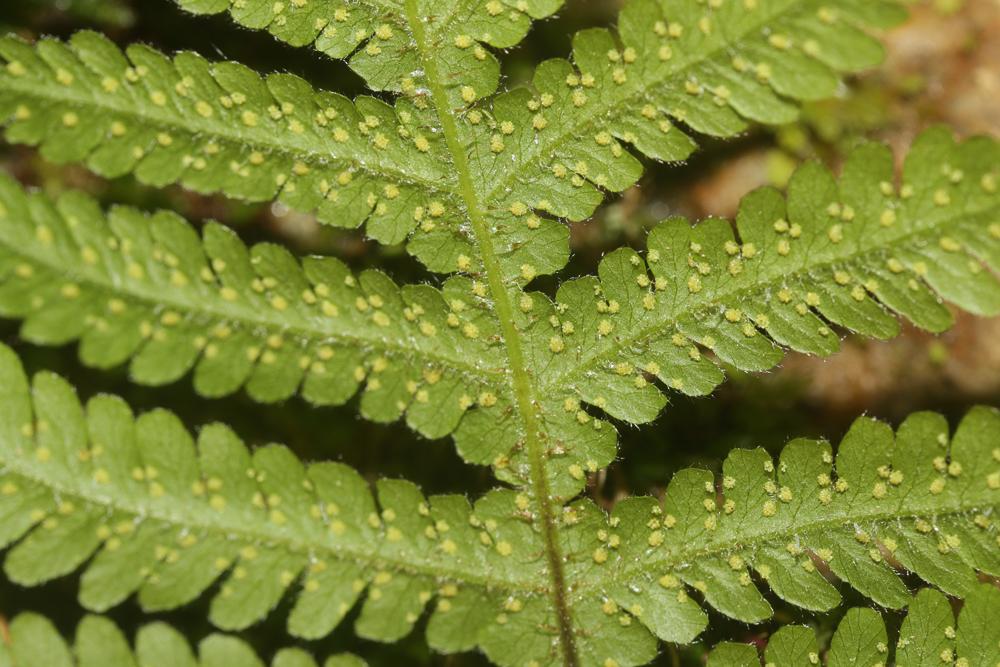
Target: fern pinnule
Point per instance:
(711, 67)
(143, 509)
(32, 640)
(533, 155)
(929, 636)
(376, 39)
(919, 499)
(167, 517)
(478, 184)
(150, 291)
(147, 289)
(831, 256)
(672, 70)
(220, 127)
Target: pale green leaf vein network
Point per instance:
(218, 309)
(738, 293)
(219, 127)
(288, 143)
(929, 635)
(859, 242)
(921, 494)
(359, 174)
(151, 291)
(611, 107)
(544, 147)
(749, 539)
(918, 493)
(196, 518)
(526, 392)
(374, 38)
(613, 103)
(97, 480)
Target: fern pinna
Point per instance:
(478, 182)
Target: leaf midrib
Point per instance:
(222, 131)
(742, 542)
(640, 89)
(238, 527)
(657, 328)
(157, 299)
(524, 390)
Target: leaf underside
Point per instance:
(831, 256)
(144, 509)
(32, 641)
(538, 155)
(930, 636)
(376, 40)
(480, 183)
(148, 290)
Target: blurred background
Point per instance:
(943, 67)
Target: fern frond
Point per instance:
(166, 518)
(33, 641)
(173, 302)
(511, 164)
(918, 500)
(929, 636)
(220, 127)
(853, 253)
(377, 41)
(142, 508)
(513, 244)
(709, 66)
(148, 289)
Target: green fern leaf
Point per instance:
(32, 641)
(147, 288)
(219, 127)
(852, 254)
(148, 291)
(261, 319)
(143, 509)
(710, 66)
(552, 147)
(928, 637)
(918, 501)
(377, 40)
(479, 183)
(448, 154)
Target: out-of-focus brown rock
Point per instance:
(897, 376)
(719, 195)
(958, 58)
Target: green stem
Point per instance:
(524, 391)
